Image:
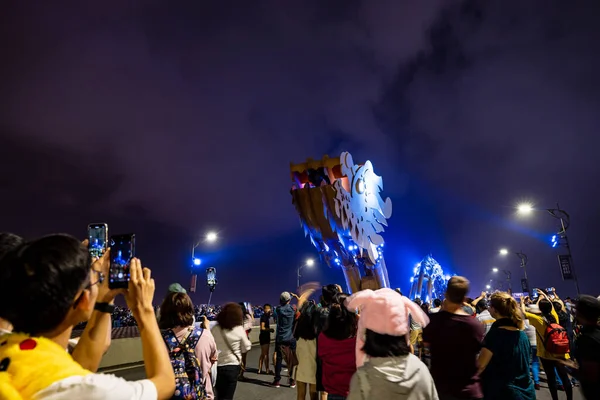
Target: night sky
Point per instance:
(173, 118)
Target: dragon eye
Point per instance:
(360, 186)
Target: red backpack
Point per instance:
(556, 340)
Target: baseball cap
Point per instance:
(285, 296)
(176, 288)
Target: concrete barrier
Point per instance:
(128, 351)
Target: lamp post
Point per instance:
(523, 257)
(308, 263)
(210, 237)
(565, 222)
(508, 277)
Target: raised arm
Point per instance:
(557, 299)
(139, 298)
(96, 337)
(477, 300)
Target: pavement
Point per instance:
(257, 387)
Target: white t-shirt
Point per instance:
(98, 387)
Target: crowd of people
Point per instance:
(368, 345)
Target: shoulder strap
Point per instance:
(170, 339)
(229, 345)
(365, 387)
(193, 337)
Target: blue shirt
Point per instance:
(284, 316)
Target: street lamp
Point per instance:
(508, 276)
(565, 222)
(488, 287)
(525, 208)
(308, 263)
(503, 252)
(523, 257)
(211, 237)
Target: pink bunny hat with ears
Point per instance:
(383, 311)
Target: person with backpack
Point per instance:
(192, 348)
(552, 344)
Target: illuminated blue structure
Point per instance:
(429, 280)
(342, 212)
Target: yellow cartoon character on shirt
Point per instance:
(29, 365)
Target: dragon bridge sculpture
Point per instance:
(341, 210)
(428, 281)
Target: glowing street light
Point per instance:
(494, 269)
(557, 240)
(503, 252)
(488, 287)
(210, 237)
(525, 208)
(308, 263)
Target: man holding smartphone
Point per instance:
(63, 289)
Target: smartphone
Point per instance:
(97, 239)
(549, 290)
(211, 277)
(122, 250)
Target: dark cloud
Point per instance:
(187, 114)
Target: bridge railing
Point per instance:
(126, 347)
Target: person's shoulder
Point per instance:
(589, 340)
(474, 323)
(99, 387)
(215, 330)
(239, 331)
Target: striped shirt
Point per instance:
(486, 320)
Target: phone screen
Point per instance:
(97, 239)
(211, 277)
(122, 250)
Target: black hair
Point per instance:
(244, 308)
(546, 309)
(588, 308)
(557, 307)
(481, 306)
(437, 303)
(39, 281)
(380, 345)
(8, 242)
(328, 294)
(341, 323)
(305, 324)
(267, 305)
